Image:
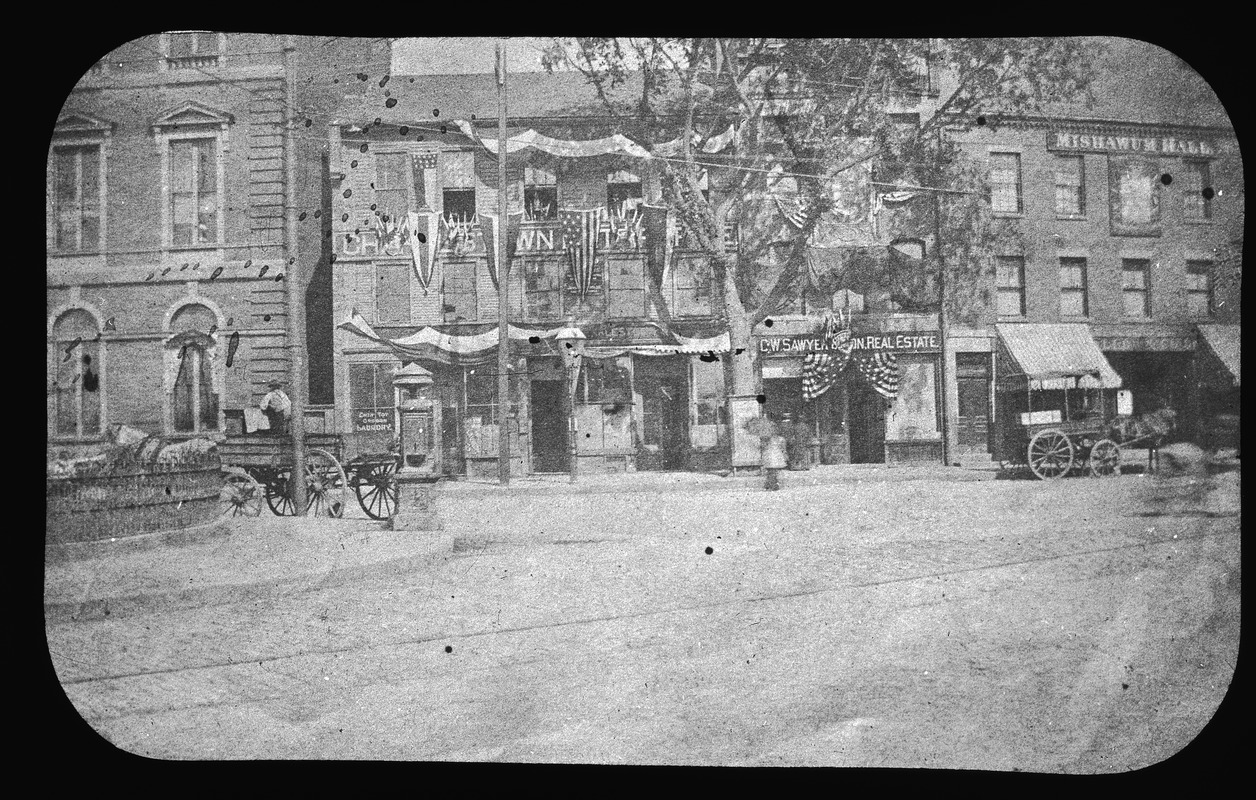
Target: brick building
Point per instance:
(1126, 216)
(171, 193)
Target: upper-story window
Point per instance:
(458, 181)
(77, 197)
(1199, 300)
(1010, 281)
(1197, 191)
(1134, 185)
(77, 390)
(540, 193)
(192, 138)
(1005, 183)
(193, 49)
(1136, 287)
(1073, 298)
(393, 184)
(1070, 186)
(623, 192)
(76, 184)
(194, 198)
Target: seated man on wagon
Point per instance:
(277, 408)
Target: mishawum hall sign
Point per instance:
(1167, 145)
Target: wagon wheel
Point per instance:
(377, 489)
(1105, 459)
(277, 496)
(325, 484)
(241, 494)
(1050, 454)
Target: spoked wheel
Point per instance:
(241, 494)
(377, 490)
(326, 486)
(1050, 454)
(278, 496)
(1105, 459)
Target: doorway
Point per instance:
(972, 433)
(867, 424)
(549, 427)
(664, 387)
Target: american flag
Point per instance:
(580, 228)
(423, 231)
(880, 369)
(425, 160)
(794, 210)
(821, 370)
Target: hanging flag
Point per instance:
(880, 370)
(424, 230)
(659, 224)
(422, 161)
(794, 210)
(820, 370)
(497, 263)
(580, 240)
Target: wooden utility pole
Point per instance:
(503, 280)
(948, 448)
(292, 288)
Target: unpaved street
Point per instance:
(1078, 626)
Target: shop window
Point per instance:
(1070, 186)
(371, 396)
(1196, 191)
(459, 291)
(480, 385)
(1199, 300)
(78, 386)
(458, 182)
(1073, 299)
(623, 192)
(393, 184)
(194, 192)
(709, 394)
(1005, 183)
(1135, 197)
(392, 293)
(540, 194)
(1010, 280)
(76, 198)
(1135, 287)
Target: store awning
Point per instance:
(1057, 356)
(1223, 341)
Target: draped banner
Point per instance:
(820, 370)
(497, 262)
(432, 345)
(531, 140)
(580, 240)
(658, 223)
(423, 233)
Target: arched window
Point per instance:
(194, 394)
(78, 379)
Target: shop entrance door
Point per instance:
(972, 434)
(549, 427)
(664, 387)
(867, 424)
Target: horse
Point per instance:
(1155, 428)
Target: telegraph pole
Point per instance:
(503, 279)
(292, 290)
(948, 449)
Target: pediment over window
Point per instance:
(76, 122)
(190, 114)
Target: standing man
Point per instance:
(277, 408)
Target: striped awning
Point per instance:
(1223, 341)
(1056, 356)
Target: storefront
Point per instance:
(863, 389)
(1217, 380)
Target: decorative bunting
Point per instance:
(880, 369)
(820, 370)
(423, 233)
(498, 263)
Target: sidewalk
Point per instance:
(242, 559)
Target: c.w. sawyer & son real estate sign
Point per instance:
(903, 342)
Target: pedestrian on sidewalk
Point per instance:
(775, 456)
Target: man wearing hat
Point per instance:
(277, 407)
